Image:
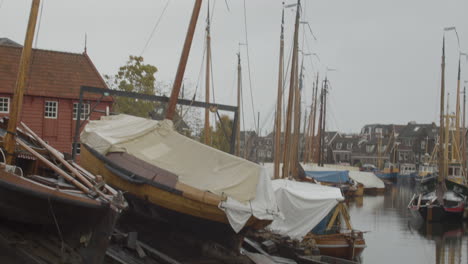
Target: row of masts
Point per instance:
(452, 138)
(286, 152)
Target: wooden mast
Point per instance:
(313, 119)
(287, 132)
(183, 61)
(23, 72)
(239, 85)
(320, 132)
(464, 134)
(442, 144)
(456, 144)
(297, 122)
(207, 77)
(325, 90)
(279, 104)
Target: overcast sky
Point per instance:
(387, 53)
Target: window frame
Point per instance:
(56, 109)
(8, 105)
(83, 114)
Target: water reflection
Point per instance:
(396, 235)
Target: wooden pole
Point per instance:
(58, 157)
(54, 167)
(457, 112)
(320, 131)
(21, 80)
(207, 78)
(313, 119)
(239, 85)
(183, 61)
(324, 118)
(442, 144)
(297, 123)
(292, 84)
(279, 104)
(464, 134)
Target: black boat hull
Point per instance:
(82, 223)
(439, 214)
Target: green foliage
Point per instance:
(218, 136)
(134, 76)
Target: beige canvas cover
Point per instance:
(156, 142)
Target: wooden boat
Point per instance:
(343, 245)
(157, 192)
(333, 241)
(151, 190)
(40, 190)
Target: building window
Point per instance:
(84, 111)
(50, 110)
(423, 145)
(369, 148)
(378, 130)
(349, 146)
(4, 104)
(338, 145)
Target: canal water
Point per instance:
(395, 235)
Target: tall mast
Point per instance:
(442, 144)
(207, 77)
(239, 85)
(279, 104)
(297, 122)
(21, 80)
(304, 138)
(320, 131)
(183, 61)
(464, 134)
(292, 85)
(457, 112)
(324, 118)
(313, 119)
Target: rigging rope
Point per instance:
(155, 27)
(248, 65)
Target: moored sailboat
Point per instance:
(170, 177)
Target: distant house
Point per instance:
(415, 140)
(52, 92)
(343, 148)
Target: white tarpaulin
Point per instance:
(200, 166)
(368, 179)
(303, 205)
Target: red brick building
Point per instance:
(52, 92)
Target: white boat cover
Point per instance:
(196, 164)
(303, 204)
(368, 179)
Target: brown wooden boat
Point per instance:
(342, 245)
(147, 186)
(335, 242)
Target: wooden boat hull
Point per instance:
(344, 246)
(182, 200)
(66, 215)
